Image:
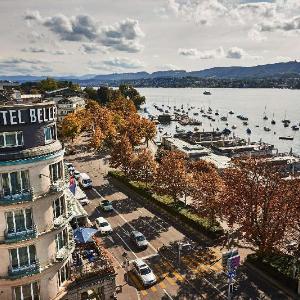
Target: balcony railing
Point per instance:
(24, 271)
(57, 186)
(13, 237)
(23, 196)
(64, 252)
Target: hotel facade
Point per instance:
(36, 240)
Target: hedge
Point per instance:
(177, 209)
(276, 265)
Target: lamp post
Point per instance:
(126, 264)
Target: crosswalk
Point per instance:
(169, 277)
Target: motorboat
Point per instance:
(295, 128)
(196, 129)
(231, 112)
(245, 123)
(248, 130)
(267, 129)
(234, 126)
(223, 118)
(206, 93)
(289, 138)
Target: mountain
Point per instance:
(277, 70)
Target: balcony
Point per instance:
(57, 186)
(65, 252)
(14, 237)
(23, 196)
(14, 273)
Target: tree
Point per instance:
(171, 175)
(131, 93)
(91, 93)
(48, 84)
(121, 155)
(122, 106)
(71, 126)
(261, 202)
(143, 167)
(97, 138)
(206, 191)
(132, 128)
(201, 166)
(149, 129)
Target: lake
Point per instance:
(251, 103)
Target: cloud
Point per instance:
(124, 63)
(42, 50)
(292, 24)
(24, 66)
(207, 54)
(122, 36)
(255, 35)
(232, 53)
(92, 48)
(168, 67)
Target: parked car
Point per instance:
(106, 205)
(103, 225)
(76, 174)
(143, 271)
(81, 196)
(85, 181)
(139, 239)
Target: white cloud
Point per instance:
(92, 48)
(122, 36)
(43, 50)
(232, 53)
(255, 35)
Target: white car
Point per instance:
(85, 181)
(76, 174)
(143, 271)
(103, 225)
(81, 196)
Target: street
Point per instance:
(196, 273)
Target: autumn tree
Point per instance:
(71, 126)
(143, 167)
(205, 188)
(171, 175)
(148, 129)
(97, 138)
(261, 202)
(122, 155)
(122, 107)
(129, 92)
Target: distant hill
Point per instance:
(277, 70)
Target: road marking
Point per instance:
(147, 256)
(153, 289)
(138, 284)
(126, 245)
(164, 275)
(173, 270)
(162, 285)
(168, 294)
(126, 221)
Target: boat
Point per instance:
(245, 123)
(206, 93)
(178, 130)
(226, 131)
(223, 118)
(216, 113)
(231, 112)
(248, 130)
(273, 122)
(267, 129)
(217, 129)
(202, 110)
(286, 124)
(227, 124)
(195, 114)
(196, 129)
(265, 115)
(285, 120)
(256, 125)
(234, 126)
(289, 138)
(295, 128)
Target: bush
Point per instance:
(277, 265)
(177, 209)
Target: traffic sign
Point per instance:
(226, 255)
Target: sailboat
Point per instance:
(273, 122)
(265, 116)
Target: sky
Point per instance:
(78, 37)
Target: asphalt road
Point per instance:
(199, 275)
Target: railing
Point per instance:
(57, 186)
(23, 196)
(64, 252)
(12, 237)
(34, 268)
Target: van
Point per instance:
(85, 181)
(81, 196)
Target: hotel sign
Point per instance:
(13, 116)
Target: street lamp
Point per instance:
(180, 247)
(126, 264)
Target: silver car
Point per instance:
(143, 271)
(139, 239)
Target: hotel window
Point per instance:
(56, 171)
(61, 239)
(59, 207)
(11, 139)
(19, 220)
(50, 133)
(14, 183)
(27, 292)
(64, 274)
(23, 257)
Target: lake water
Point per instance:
(248, 102)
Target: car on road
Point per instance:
(144, 272)
(103, 225)
(85, 181)
(139, 239)
(106, 205)
(76, 174)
